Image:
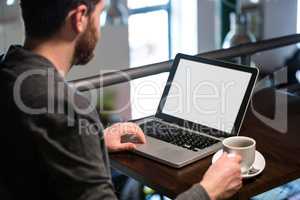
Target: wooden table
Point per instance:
(281, 151)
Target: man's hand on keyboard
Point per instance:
(113, 137)
(223, 178)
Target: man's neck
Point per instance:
(57, 52)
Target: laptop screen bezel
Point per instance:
(199, 127)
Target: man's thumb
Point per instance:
(128, 146)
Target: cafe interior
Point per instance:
(133, 60)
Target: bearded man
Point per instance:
(46, 152)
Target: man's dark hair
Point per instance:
(43, 18)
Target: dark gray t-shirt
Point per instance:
(52, 146)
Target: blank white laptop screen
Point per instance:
(206, 94)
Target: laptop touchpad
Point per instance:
(166, 151)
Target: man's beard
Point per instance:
(84, 49)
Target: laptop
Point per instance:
(204, 102)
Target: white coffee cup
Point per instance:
(243, 146)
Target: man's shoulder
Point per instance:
(29, 81)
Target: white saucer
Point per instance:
(259, 163)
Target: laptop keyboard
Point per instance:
(177, 136)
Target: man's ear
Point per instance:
(79, 18)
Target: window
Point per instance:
(134, 4)
(158, 29)
(149, 29)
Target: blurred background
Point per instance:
(141, 32)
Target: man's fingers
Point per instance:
(141, 136)
(236, 185)
(223, 157)
(127, 146)
(131, 128)
(237, 158)
(234, 157)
